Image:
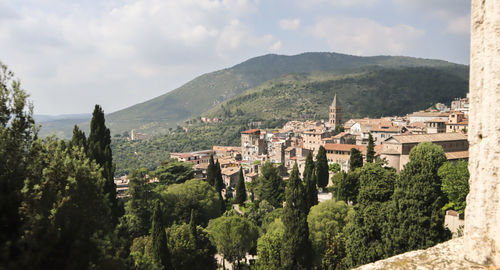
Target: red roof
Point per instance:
(251, 131)
(345, 147)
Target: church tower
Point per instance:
(335, 113)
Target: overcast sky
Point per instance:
(72, 54)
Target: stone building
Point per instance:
(341, 154)
(252, 144)
(457, 122)
(396, 150)
(335, 113)
(436, 125)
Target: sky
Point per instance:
(71, 55)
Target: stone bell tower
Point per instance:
(335, 113)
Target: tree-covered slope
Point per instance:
(209, 90)
(373, 93)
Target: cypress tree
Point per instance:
(161, 256)
(311, 193)
(211, 172)
(418, 201)
(356, 159)
(241, 192)
(270, 185)
(296, 249)
(79, 139)
(322, 168)
(370, 150)
(219, 183)
(99, 149)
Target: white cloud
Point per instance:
(459, 25)
(289, 24)
(126, 53)
(276, 46)
(362, 36)
(335, 3)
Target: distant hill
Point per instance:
(60, 125)
(208, 90)
(364, 93)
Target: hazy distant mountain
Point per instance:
(60, 125)
(207, 91)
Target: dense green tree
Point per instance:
(234, 236)
(322, 175)
(192, 194)
(334, 167)
(99, 149)
(356, 159)
(309, 176)
(326, 222)
(142, 254)
(174, 172)
(65, 210)
(455, 178)
(79, 139)
(370, 150)
(258, 210)
(418, 201)
(348, 187)
(190, 248)
(17, 131)
(138, 210)
(366, 237)
(339, 129)
(241, 191)
(270, 185)
(269, 247)
(296, 250)
(160, 253)
(219, 182)
(211, 171)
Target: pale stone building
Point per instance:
(253, 144)
(335, 114)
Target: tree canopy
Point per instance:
(455, 178)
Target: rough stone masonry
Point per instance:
(482, 215)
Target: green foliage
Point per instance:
(455, 178)
(190, 249)
(366, 232)
(233, 236)
(99, 149)
(348, 186)
(270, 185)
(334, 167)
(326, 222)
(17, 131)
(322, 175)
(219, 183)
(159, 249)
(310, 192)
(370, 150)
(138, 210)
(79, 139)
(142, 254)
(174, 172)
(270, 217)
(356, 159)
(258, 211)
(67, 218)
(269, 247)
(418, 201)
(211, 171)
(241, 192)
(192, 194)
(296, 250)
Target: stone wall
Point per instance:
(482, 216)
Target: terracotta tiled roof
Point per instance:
(386, 128)
(230, 170)
(251, 131)
(457, 155)
(345, 147)
(437, 137)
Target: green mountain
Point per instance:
(207, 91)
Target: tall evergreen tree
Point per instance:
(418, 201)
(270, 185)
(356, 159)
(161, 256)
(296, 249)
(99, 149)
(322, 168)
(241, 191)
(138, 210)
(370, 150)
(17, 132)
(211, 172)
(311, 193)
(219, 183)
(79, 139)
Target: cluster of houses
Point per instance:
(393, 137)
